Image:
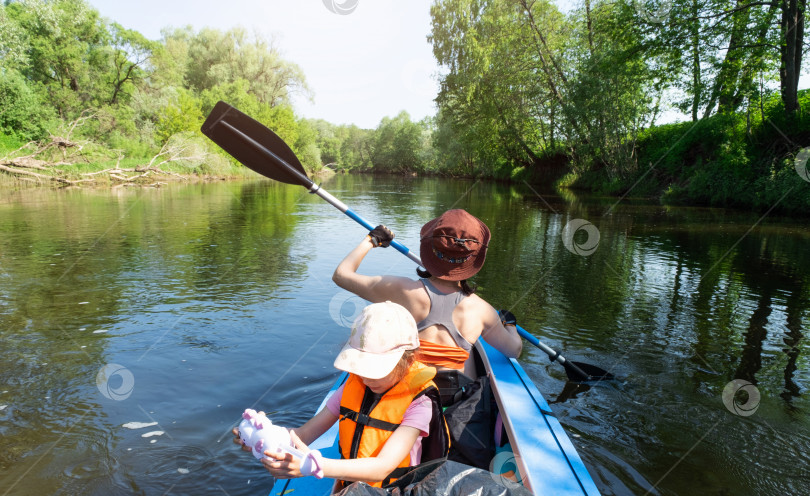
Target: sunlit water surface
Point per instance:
(136, 325)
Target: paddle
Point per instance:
(576, 371)
(260, 149)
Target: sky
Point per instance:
(362, 59)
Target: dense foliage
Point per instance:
(65, 70)
(527, 93)
(528, 87)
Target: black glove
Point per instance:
(381, 236)
(507, 317)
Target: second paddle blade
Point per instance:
(594, 373)
(254, 145)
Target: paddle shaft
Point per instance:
(554, 355)
(314, 188)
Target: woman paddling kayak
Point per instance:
(450, 316)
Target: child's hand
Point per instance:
(298, 443)
(238, 440)
(285, 466)
(282, 465)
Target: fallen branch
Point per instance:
(121, 174)
(43, 177)
(176, 150)
(183, 148)
(31, 163)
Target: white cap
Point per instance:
(380, 336)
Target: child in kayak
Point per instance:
(450, 317)
(388, 408)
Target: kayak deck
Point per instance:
(546, 460)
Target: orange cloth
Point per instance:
(440, 355)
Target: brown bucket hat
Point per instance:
(453, 246)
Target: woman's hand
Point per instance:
(381, 236)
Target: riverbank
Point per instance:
(126, 173)
(753, 161)
(61, 161)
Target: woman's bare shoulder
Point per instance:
(476, 301)
(396, 287)
(474, 304)
(404, 283)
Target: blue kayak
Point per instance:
(538, 453)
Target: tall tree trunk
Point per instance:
(590, 25)
(697, 84)
(516, 136)
(754, 61)
(791, 53)
(726, 82)
(552, 71)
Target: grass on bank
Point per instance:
(742, 160)
(8, 144)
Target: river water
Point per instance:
(137, 324)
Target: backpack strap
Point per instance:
(437, 444)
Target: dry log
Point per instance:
(34, 174)
(31, 163)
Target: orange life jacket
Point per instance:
(367, 420)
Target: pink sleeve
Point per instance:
(333, 403)
(418, 415)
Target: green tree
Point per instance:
(59, 60)
(356, 148)
(22, 112)
(306, 146)
(506, 86)
(66, 39)
(215, 57)
(397, 146)
(524, 80)
(128, 60)
(609, 89)
(719, 52)
(327, 141)
(170, 58)
(454, 153)
(791, 49)
(183, 114)
(13, 42)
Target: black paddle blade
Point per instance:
(254, 145)
(591, 372)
